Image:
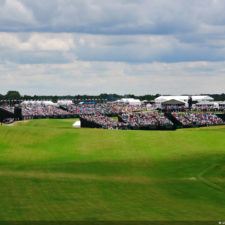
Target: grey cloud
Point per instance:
(146, 49)
(121, 30)
(123, 46)
(37, 57)
(96, 77)
(112, 17)
(36, 48)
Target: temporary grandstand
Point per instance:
(132, 117)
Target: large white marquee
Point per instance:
(199, 98)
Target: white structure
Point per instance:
(221, 103)
(77, 124)
(174, 102)
(130, 101)
(206, 103)
(48, 103)
(149, 107)
(64, 102)
(31, 102)
(199, 98)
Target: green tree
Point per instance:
(13, 95)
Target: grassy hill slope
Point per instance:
(51, 171)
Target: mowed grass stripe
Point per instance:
(56, 176)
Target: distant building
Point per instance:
(183, 99)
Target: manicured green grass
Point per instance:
(51, 171)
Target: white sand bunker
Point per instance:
(77, 124)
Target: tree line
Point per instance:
(15, 95)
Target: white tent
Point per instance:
(130, 101)
(222, 103)
(31, 102)
(77, 124)
(48, 103)
(205, 103)
(149, 107)
(64, 102)
(199, 98)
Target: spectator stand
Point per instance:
(196, 119)
(147, 121)
(85, 123)
(179, 120)
(175, 121)
(222, 106)
(101, 121)
(5, 115)
(222, 116)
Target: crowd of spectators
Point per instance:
(43, 110)
(132, 117)
(196, 108)
(206, 108)
(139, 119)
(104, 121)
(163, 120)
(129, 121)
(103, 108)
(204, 119)
(182, 119)
(198, 119)
(154, 119)
(29, 111)
(8, 108)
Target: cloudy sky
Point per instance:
(120, 46)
